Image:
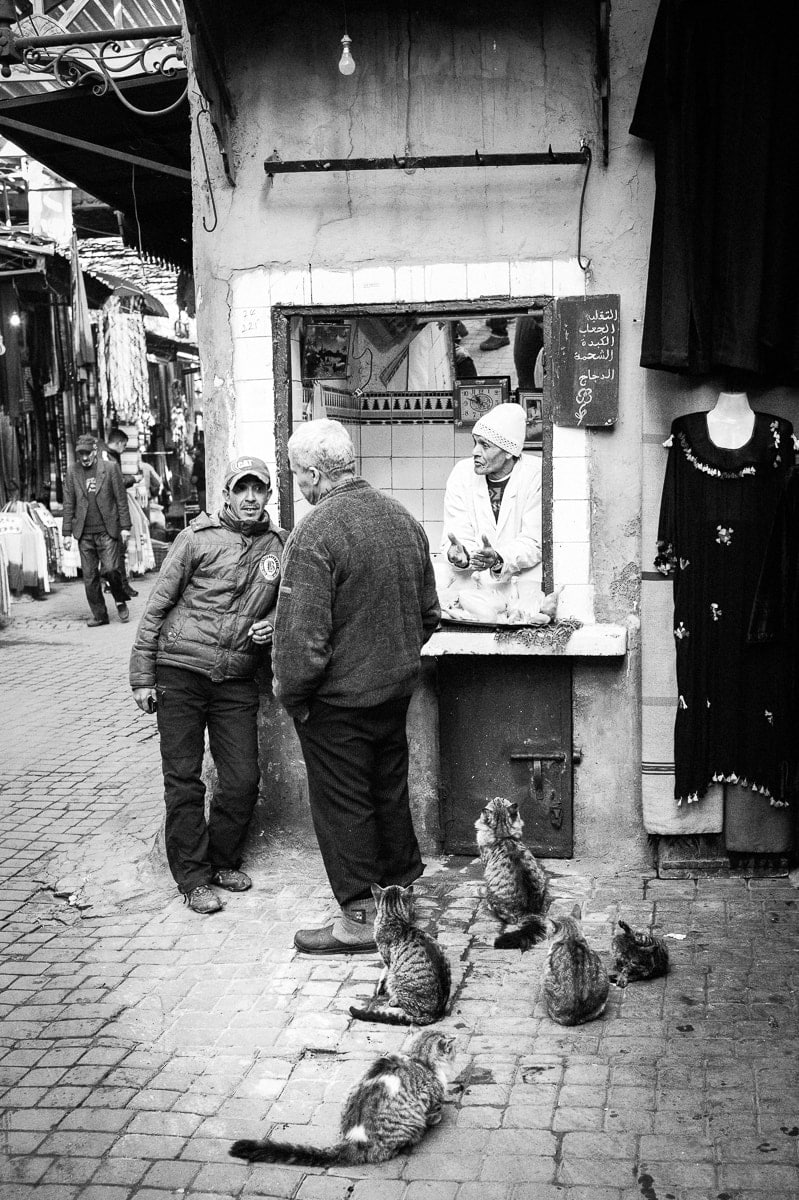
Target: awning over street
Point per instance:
(139, 165)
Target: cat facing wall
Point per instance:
(416, 978)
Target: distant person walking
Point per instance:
(115, 443)
(199, 643)
(357, 602)
(96, 511)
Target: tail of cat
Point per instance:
(533, 931)
(290, 1152)
(383, 1016)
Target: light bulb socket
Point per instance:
(346, 64)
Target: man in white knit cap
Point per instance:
(492, 505)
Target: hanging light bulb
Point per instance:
(346, 64)
(15, 319)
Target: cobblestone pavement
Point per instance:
(139, 1039)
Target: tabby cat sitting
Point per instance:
(638, 954)
(416, 978)
(576, 982)
(517, 888)
(389, 1110)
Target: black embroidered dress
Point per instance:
(716, 513)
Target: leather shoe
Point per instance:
(231, 881)
(494, 341)
(122, 612)
(324, 941)
(202, 900)
(93, 622)
(131, 593)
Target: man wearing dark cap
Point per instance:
(199, 643)
(96, 511)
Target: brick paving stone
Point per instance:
(138, 1040)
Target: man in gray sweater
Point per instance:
(357, 602)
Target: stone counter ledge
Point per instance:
(591, 641)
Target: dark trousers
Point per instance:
(357, 764)
(123, 569)
(99, 559)
(188, 704)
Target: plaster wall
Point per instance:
(446, 80)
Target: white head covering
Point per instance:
(505, 427)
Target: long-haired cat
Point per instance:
(388, 1111)
(576, 982)
(416, 977)
(516, 886)
(638, 954)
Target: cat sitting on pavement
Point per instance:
(576, 984)
(416, 978)
(517, 890)
(389, 1110)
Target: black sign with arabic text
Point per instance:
(585, 361)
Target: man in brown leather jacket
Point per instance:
(197, 649)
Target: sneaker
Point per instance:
(494, 342)
(122, 612)
(93, 622)
(202, 900)
(231, 881)
(324, 941)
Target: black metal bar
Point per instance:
(603, 71)
(134, 34)
(549, 158)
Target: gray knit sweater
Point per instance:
(357, 602)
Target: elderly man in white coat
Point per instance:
(492, 504)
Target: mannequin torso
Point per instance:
(731, 422)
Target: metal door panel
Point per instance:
(506, 730)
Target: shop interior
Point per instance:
(410, 386)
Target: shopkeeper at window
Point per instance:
(492, 503)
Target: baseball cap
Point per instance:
(247, 466)
(86, 441)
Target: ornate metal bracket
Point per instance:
(94, 59)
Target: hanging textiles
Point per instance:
(775, 618)
(716, 512)
(26, 549)
(140, 554)
(5, 590)
(124, 383)
(9, 460)
(717, 100)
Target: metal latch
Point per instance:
(536, 759)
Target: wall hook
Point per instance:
(203, 110)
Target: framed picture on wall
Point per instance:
(325, 350)
(474, 397)
(532, 402)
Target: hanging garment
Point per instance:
(775, 618)
(5, 590)
(140, 554)
(9, 460)
(716, 512)
(25, 548)
(717, 100)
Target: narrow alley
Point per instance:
(138, 1039)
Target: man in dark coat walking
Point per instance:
(357, 602)
(96, 511)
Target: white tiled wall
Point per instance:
(412, 461)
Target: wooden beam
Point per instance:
(106, 151)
